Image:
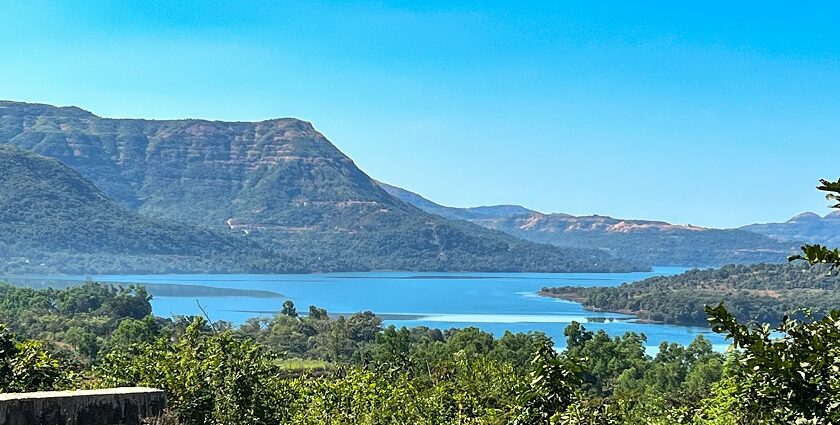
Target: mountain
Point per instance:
(803, 227)
(652, 242)
(453, 213)
(279, 182)
(51, 215)
(498, 211)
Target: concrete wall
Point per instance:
(115, 406)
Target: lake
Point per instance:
(494, 302)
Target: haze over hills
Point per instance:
(807, 226)
(654, 242)
(279, 182)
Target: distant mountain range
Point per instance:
(274, 196)
(653, 242)
(453, 213)
(803, 227)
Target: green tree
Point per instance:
(552, 389)
(316, 313)
(818, 254)
(289, 309)
(516, 349)
(83, 340)
(131, 332)
(470, 341)
(209, 378)
(605, 360)
(27, 366)
(790, 374)
(393, 348)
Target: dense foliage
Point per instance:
(818, 254)
(309, 368)
(761, 292)
(313, 369)
(788, 374)
(26, 366)
(80, 321)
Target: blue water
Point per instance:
(494, 302)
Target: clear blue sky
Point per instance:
(716, 114)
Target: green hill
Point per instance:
(51, 215)
(758, 292)
(280, 182)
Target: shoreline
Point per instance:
(575, 298)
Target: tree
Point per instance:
(27, 366)
(83, 340)
(604, 359)
(131, 332)
(818, 254)
(516, 349)
(790, 374)
(289, 309)
(393, 348)
(553, 386)
(209, 378)
(470, 340)
(316, 313)
(132, 301)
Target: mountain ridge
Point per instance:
(281, 182)
(807, 226)
(651, 241)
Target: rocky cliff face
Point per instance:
(280, 181)
(198, 171)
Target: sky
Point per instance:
(715, 113)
